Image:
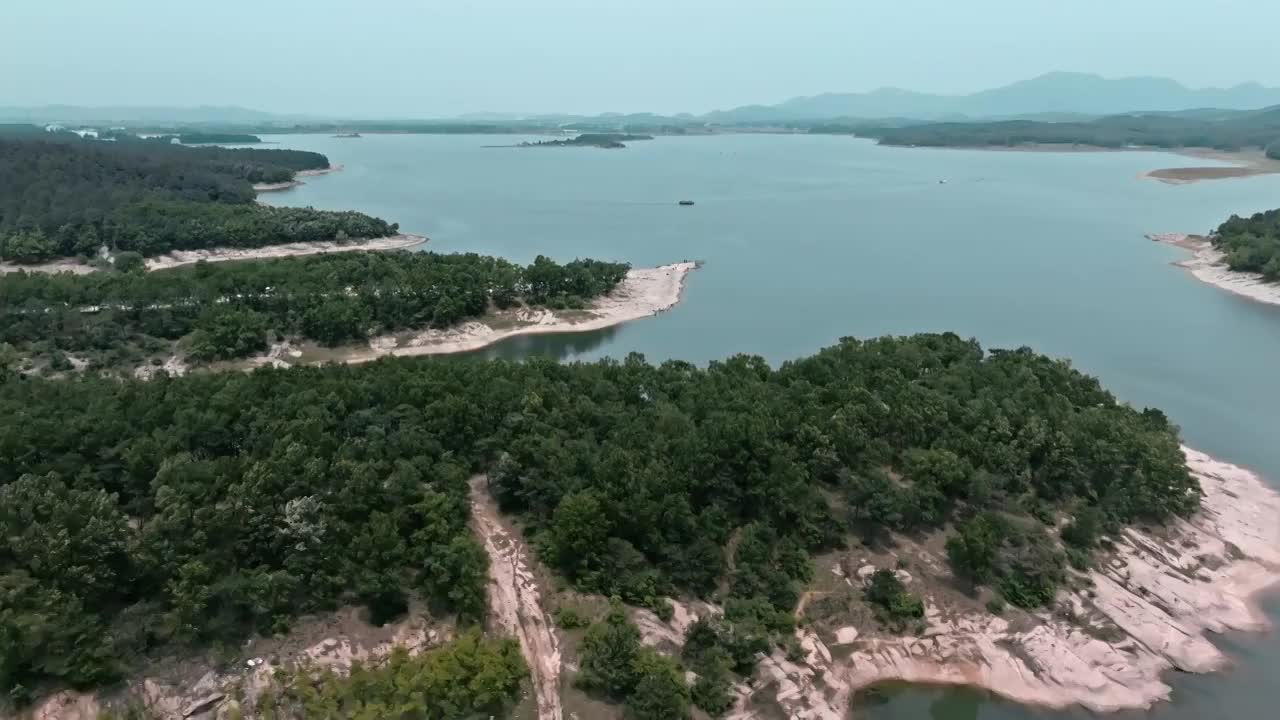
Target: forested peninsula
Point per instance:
(227, 311)
(63, 196)
(195, 510)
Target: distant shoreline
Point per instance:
(1208, 265)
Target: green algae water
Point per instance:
(809, 238)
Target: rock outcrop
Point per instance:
(1147, 612)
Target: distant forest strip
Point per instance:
(1259, 129)
(229, 310)
(202, 138)
(1251, 244)
(136, 517)
(62, 196)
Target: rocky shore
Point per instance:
(1147, 611)
(1208, 264)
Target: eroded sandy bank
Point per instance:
(1208, 264)
(644, 292)
(178, 258)
(1105, 649)
(295, 182)
(187, 257)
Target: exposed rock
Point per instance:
(1157, 598)
(846, 635)
(67, 705)
(203, 704)
(670, 635)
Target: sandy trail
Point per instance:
(178, 258)
(1148, 612)
(1208, 264)
(54, 267)
(515, 603)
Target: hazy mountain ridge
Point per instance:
(1053, 97)
(1060, 92)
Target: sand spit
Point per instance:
(187, 257)
(295, 182)
(1105, 649)
(1243, 164)
(515, 603)
(644, 292)
(1208, 264)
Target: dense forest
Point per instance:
(1246, 130)
(61, 196)
(1252, 244)
(139, 515)
(229, 310)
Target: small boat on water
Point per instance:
(686, 202)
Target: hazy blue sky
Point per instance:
(443, 57)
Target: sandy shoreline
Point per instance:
(295, 182)
(1147, 612)
(643, 293)
(1208, 264)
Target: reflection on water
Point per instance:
(560, 346)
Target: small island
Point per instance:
(347, 135)
(607, 141)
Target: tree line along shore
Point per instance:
(142, 519)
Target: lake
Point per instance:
(809, 238)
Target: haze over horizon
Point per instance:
(399, 58)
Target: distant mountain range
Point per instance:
(1050, 94)
(142, 115)
(1057, 96)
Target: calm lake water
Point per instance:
(807, 239)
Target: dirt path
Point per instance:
(514, 601)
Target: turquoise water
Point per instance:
(806, 239)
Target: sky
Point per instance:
(441, 58)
